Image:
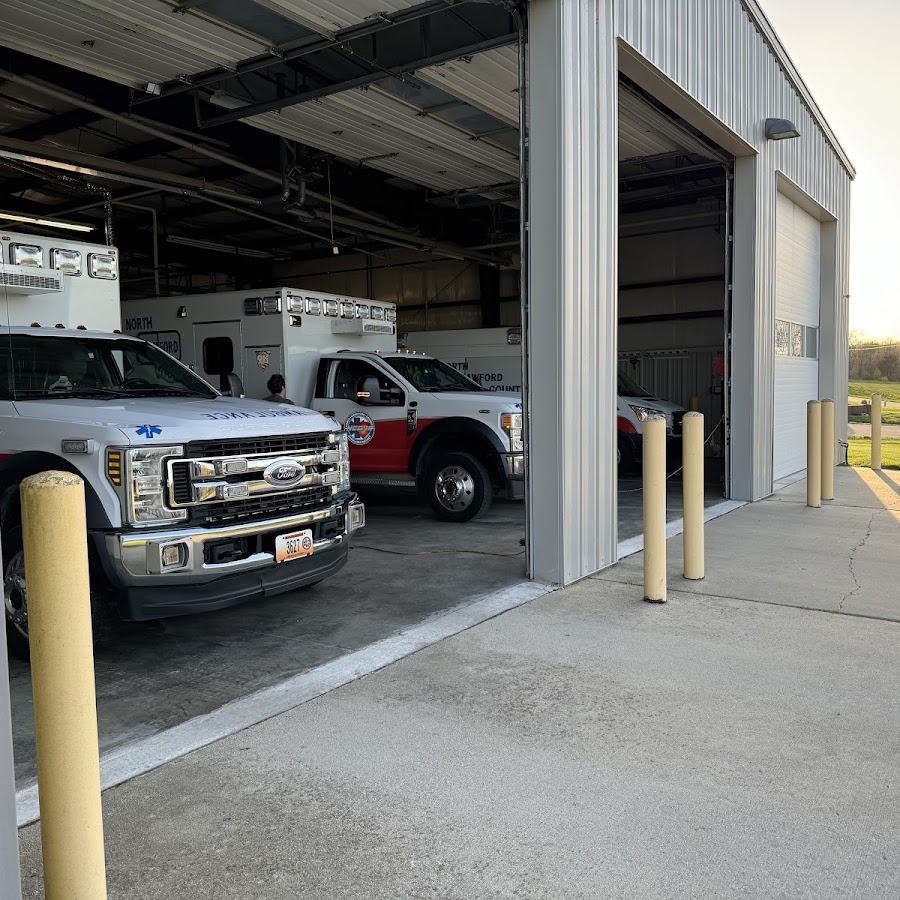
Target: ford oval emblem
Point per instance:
(284, 473)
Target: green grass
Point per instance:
(888, 417)
(889, 390)
(860, 452)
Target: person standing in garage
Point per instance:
(277, 390)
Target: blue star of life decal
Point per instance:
(148, 431)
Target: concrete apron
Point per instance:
(582, 745)
(840, 558)
(138, 756)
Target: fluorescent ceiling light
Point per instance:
(225, 100)
(219, 248)
(47, 223)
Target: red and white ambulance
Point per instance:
(410, 419)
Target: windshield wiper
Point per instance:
(83, 394)
(160, 390)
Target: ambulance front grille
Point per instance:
(288, 443)
(260, 507)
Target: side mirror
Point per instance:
(372, 394)
(233, 386)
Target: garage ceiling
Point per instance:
(392, 124)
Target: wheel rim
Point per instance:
(15, 597)
(455, 488)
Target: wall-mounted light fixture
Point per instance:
(780, 129)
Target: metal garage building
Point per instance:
(393, 130)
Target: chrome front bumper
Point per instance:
(514, 465)
(136, 558)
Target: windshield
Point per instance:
(628, 387)
(431, 375)
(41, 367)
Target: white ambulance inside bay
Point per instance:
(411, 420)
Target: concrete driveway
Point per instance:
(738, 742)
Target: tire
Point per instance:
(458, 487)
(626, 458)
(15, 605)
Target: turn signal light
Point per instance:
(114, 467)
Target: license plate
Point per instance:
(293, 545)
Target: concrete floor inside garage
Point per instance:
(403, 569)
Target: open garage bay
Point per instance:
(404, 568)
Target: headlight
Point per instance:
(644, 412)
(511, 423)
(143, 483)
(344, 483)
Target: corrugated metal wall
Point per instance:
(571, 328)
(678, 375)
(719, 61)
(720, 54)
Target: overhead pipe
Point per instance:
(413, 242)
(91, 165)
(125, 201)
(140, 124)
(154, 236)
(109, 231)
(101, 167)
(386, 235)
(285, 180)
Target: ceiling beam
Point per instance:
(303, 47)
(369, 78)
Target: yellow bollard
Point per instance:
(62, 672)
(828, 449)
(692, 460)
(655, 509)
(694, 404)
(814, 453)
(876, 431)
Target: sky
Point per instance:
(849, 56)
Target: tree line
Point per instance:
(874, 360)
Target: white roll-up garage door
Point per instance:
(798, 272)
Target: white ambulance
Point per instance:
(195, 500)
(493, 358)
(411, 420)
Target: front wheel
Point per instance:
(15, 598)
(459, 487)
(626, 460)
(15, 603)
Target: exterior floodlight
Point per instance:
(781, 129)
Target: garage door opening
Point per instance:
(240, 178)
(674, 278)
(798, 263)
